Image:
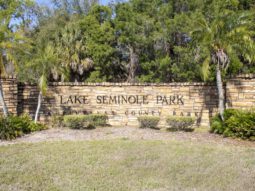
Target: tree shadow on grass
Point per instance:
(171, 129)
(154, 128)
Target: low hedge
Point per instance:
(84, 121)
(12, 127)
(57, 120)
(180, 123)
(237, 123)
(98, 119)
(148, 121)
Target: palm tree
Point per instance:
(42, 63)
(12, 38)
(11, 43)
(5, 108)
(70, 46)
(223, 40)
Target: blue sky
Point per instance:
(104, 2)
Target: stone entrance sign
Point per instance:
(124, 102)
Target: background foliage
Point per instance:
(146, 41)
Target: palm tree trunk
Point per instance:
(221, 106)
(5, 109)
(38, 106)
(133, 65)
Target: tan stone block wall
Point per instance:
(10, 92)
(241, 92)
(200, 101)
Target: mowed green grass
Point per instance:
(120, 165)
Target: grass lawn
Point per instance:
(126, 165)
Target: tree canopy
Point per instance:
(135, 40)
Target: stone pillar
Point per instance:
(10, 92)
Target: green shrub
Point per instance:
(180, 123)
(98, 120)
(75, 121)
(217, 125)
(237, 123)
(26, 123)
(57, 120)
(148, 121)
(85, 121)
(231, 112)
(36, 127)
(8, 131)
(12, 127)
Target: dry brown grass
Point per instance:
(123, 164)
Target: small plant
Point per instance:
(12, 126)
(180, 123)
(148, 121)
(85, 121)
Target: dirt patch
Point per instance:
(58, 134)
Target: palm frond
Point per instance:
(2, 67)
(43, 84)
(205, 68)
